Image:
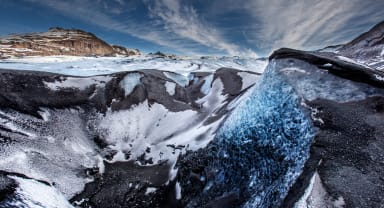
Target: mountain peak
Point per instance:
(366, 46)
(59, 41)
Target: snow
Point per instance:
(76, 82)
(178, 191)
(322, 85)
(44, 113)
(327, 65)
(170, 87)
(178, 78)
(153, 126)
(57, 153)
(63, 139)
(382, 52)
(346, 59)
(35, 194)
(207, 84)
(88, 66)
(150, 190)
(315, 195)
(268, 124)
(143, 126)
(130, 81)
(11, 126)
(293, 69)
(248, 79)
(379, 77)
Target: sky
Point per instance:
(252, 28)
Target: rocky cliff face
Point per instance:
(58, 41)
(368, 48)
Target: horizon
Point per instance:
(198, 28)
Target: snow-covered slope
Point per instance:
(88, 66)
(368, 48)
(152, 138)
(66, 131)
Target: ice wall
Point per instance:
(262, 146)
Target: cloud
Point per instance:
(171, 25)
(185, 22)
(233, 27)
(311, 24)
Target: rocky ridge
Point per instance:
(59, 41)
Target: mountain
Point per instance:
(59, 41)
(368, 48)
(308, 132)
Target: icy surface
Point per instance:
(150, 190)
(270, 124)
(247, 79)
(56, 153)
(261, 148)
(80, 83)
(207, 84)
(170, 87)
(34, 194)
(379, 77)
(313, 83)
(346, 59)
(316, 196)
(178, 191)
(87, 66)
(178, 78)
(145, 126)
(130, 81)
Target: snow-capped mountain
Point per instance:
(368, 48)
(59, 41)
(155, 131)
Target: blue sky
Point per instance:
(200, 27)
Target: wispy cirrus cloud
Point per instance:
(97, 13)
(185, 22)
(311, 24)
(171, 24)
(232, 27)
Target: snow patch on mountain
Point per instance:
(88, 66)
(34, 194)
(74, 82)
(158, 133)
(56, 154)
(323, 85)
(130, 81)
(316, 196)
(207, 84)
(247, 79)
(170, 87)
(178, 78)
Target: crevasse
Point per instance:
(264, 143)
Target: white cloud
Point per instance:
(185, 22)
(174, 26)
(310, 24)
(263, 24)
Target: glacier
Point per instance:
(209, 137)
(260, 149)
(90, 66)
